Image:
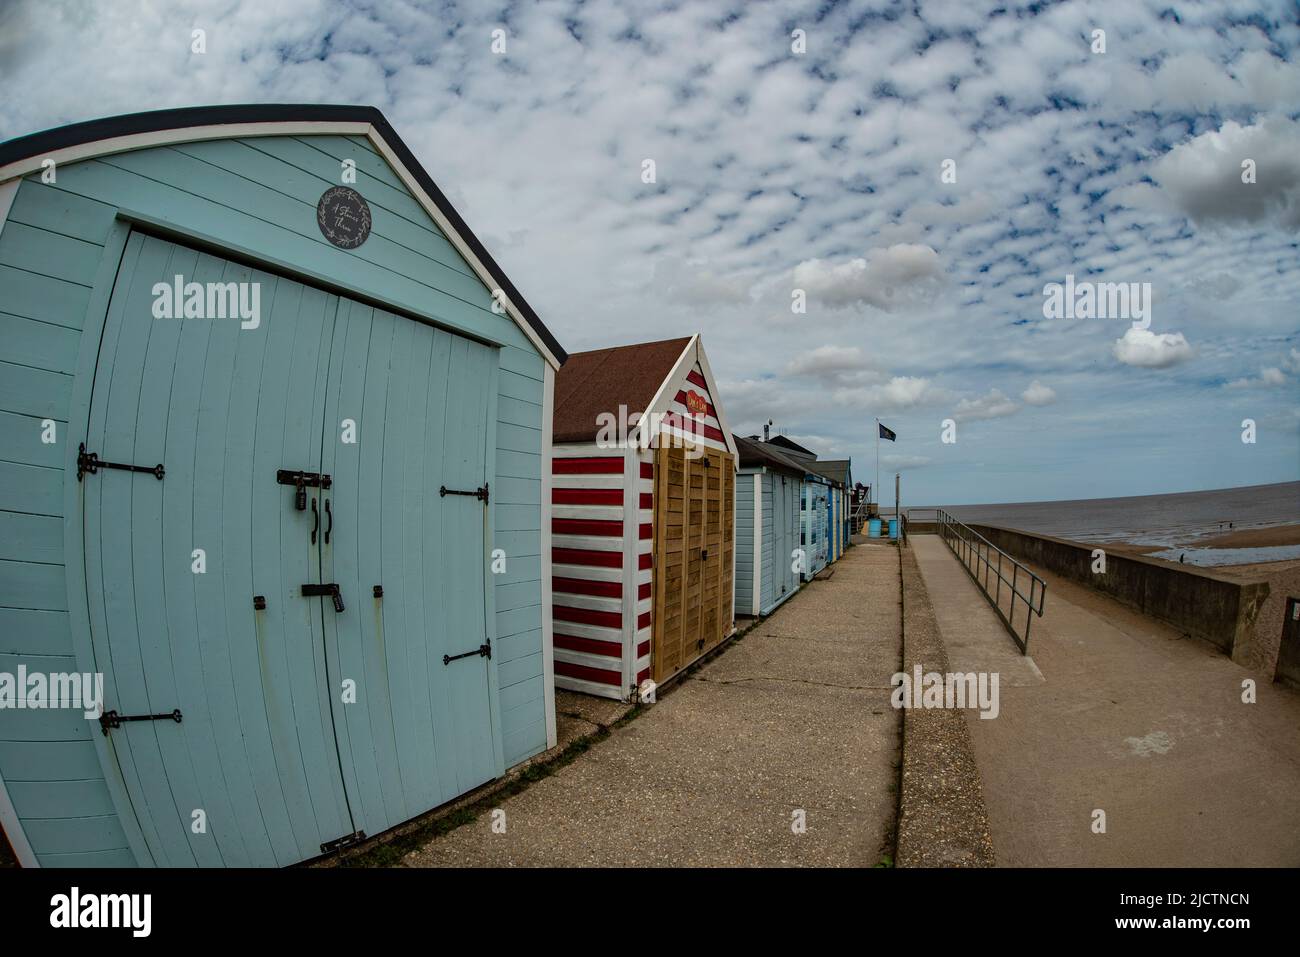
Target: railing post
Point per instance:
(1015, 577)
(1029, 615)
(997, 603)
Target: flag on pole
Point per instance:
(887, 434)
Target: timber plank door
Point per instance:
(221, 408)
(780, 535)
(694, 564)
(267, 749)
(422, 730)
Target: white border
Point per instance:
(548, 622)
(8, 816)
(193, 134)
(756, 603)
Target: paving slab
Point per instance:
(792, 719)
(1131, 718)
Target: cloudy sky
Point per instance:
(800, 153)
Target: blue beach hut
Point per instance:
(769, 492)
(271, 420)
(839, 473)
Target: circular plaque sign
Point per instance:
(343, 217)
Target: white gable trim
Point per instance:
(717, 402)
(194, 134)
(430, 207)
(676, 379)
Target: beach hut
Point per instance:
(815, 524)
(768, 492)
(838, 471)
(643, 499)
(814, 507)
(274, 431)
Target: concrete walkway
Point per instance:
(794, 716)
(1120, 713)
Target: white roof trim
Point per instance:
(717, 403)
(488, 280)
(662, 401)
(193, 134)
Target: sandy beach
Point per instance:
(1252, 538)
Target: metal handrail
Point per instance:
(971, 549)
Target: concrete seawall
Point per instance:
(1199, 602)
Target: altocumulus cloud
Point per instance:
(821, 171)
(994, 405)
(899, 275)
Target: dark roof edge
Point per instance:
(154, 121)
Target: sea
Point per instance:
(1174, 522)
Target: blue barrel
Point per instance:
(873, 528)
(893, 528)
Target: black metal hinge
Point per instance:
(300, 481)
(91, 462)
(327, 590)
(484, 651)
(356, 837)
(111, 719)
(479, 493)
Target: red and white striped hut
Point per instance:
(642, 516)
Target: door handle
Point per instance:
(483, 651)
(315, 520)
(330, 526)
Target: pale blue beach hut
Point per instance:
(769, 493)
(268, 408)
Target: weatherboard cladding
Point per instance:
(249, 199)
(777, 479)
(603, 508)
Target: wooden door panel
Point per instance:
(421, 731)
(216, 404)
(694, 552)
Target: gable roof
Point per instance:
(837, 470)
(116, 134)
(591, 383)
(791, 446)
(645, 378)
(763, 455)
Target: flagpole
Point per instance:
(877, 464)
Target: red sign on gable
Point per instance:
(696, 404)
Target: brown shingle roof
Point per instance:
(590, 383)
